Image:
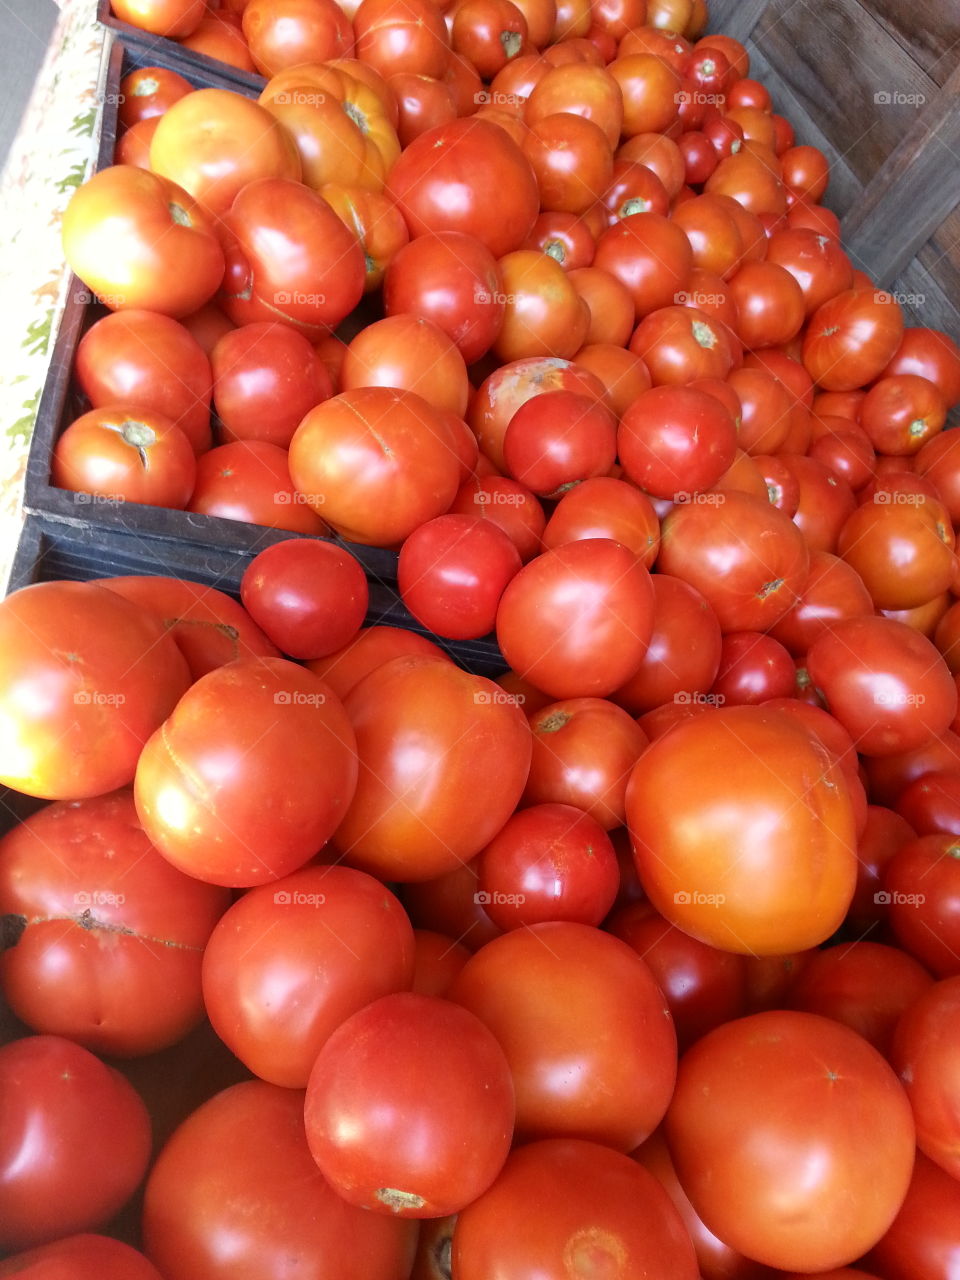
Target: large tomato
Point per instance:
(793, 1139)
(851, 338)
(85, 679)
(236, 1195)
(444, 757)
(250, 775)
(765, 867)
(926, 1053)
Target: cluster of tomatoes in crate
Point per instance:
(528, 974)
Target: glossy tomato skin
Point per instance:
(431, 792)
(410, 1107)
(122, 453)
(926, 1054)
(585, 1028)
(924, 1239)
(823, 1183)
(236, 1195)
(369, 649)
(74, 1141)
(576, 620)
(766, 869)
(851, 338)
(250, 480)
(113, 939)
(78, 716)
(173, 18)
(596, 1211)
(921, 893)
(250, 775)
(81, 1257)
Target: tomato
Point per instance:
(650, 256)
(250, 775)
(598, 1211)
(752, 180)
(147, 92)
(384, 1141)
(369, 649)
(929, 354)
(250, 480)
(437, 961)
(817, 263)
(133, 146)
(235, 1193)
(543, 314)
(903, 553)
(611, 320)
(452, 572)
(825, 503)
(924, 1239)
(146, 360)
(931, 803)
(765, 411)
(309, 597)
(173, 18)
(885, 683)
(442, 180)
(221, 37)
(376, 462)
(753, 668)
(207, 326)
(921, 889)
(746, 557)
(289, 257)
(85, 679)
(410, 353)
(286, 33)
(790, 886)
(889, 776)
(883, 834)
(770, 304)
(681, 344)
(508, 505)
(448, 904)
(576, 620)
(793, 1139)
(74, 1141)
(125, 454)
(113, 935)
(937, 461)
(454, 280)
(423, 803)
(902, 412)
(926, 1054)
(81, 1257)
(590, 1043)
(424, 102)
(140, 241)
(852, 338)
(488, 33)
(675, 441)
(402, 36)
(605, 508)
(558, 439)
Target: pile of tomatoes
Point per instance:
(334, 959)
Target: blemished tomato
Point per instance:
(250, 775)
(124, 453)
(140, 241)
(146, 360)
(793, 1139)
(787, 885)
(675, 441)
(173, 18)
(605, 508)
(584, 1026)
(452, 572)
(286, 33)
(431, 793)
(113, 935)
(74, 1141)
(548, 862)
(411, 353)
(926, 1054)
(310, 597)
(81, 1257)
(147, 92)
(924, 1239)
(884, 682)
(597, 1211)
(290, 961)
(236, 1195)
(921, 892)
(410, 1107)
(375, 462)
(266, 378)
(576, 620)
(85, 678)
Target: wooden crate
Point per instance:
(875, 84)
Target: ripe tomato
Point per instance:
(576, 620)
(113, 935)
(680, 344)
(753, 668)
(770, 304)
(410, 353)
(431, 792)
(250, 480)
(236, 1195)
(396, 36)
(590, 1043)
(557, 439)
(605, 508)
(138, 240)
(80, 1257)
(904, 553)
(852, 338)
(543, 314)
(817, 263)
(147, 92)
(286, 33)
(508, 505)
(424, 103)
(902, 412)
(124, 453)
(371, 648)
(924, 1239)
(85, 678)
(931, 803)
(926, 1054)
(448, 904)
(597, 1211)
(793, 1139)
(146, 360)
(173, 18)
(250, 774)
(675, 441)
(437, 961)
(921, 890)
(785, 888)
(310, 597)
(220, 35)
(571, 158)
(74, 1141)
(410, 1107)
(650, 256)
(930, 354)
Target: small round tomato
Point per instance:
(147, 92)
(753, 668)
(557, 439)
(123, 454)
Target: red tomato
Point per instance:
(930, 354)
(369, 649)
(770, 304)
(250, 775)
(508, 505)
(452, 572)
(903, 552)
(650, 256)
(76, 717)
(572, 160)
(931, 803)
(74, 1141)
(395, 36)
(286, 33)
(675, 441)
(924, 1239)
(605, 508)
(921, 890)
(793, 1139)
(146, 360)
(543, 314)
(852, 338)
(437, 961)
(173, 18)
(410, 353)
(124, 453)
(926, 1054)
(449, 905)
(680, 344)
(147, 92)
(597, 1211)
(753, 668)
(431, 792)
(309, 597)
(576, 620)
(81, 1257)
(236, 1195)
(902, 412)
(557, 439)
(113, 935)
(250, 480)
(220, 36)
(785, 888)
(410, 1107)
